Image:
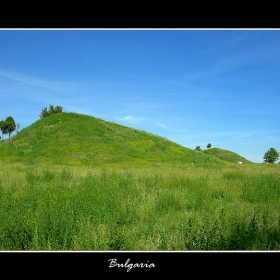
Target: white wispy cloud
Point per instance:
(161, 125)
(171, 129)
(27, 79)
(129, 119)
(56, 85)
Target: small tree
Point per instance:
(8, 126)
(52, 110)
(209, 146)
(197, 148)
(44, 113)
(271, 156)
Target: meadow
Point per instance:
(71, 182)
(139, 209)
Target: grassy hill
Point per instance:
(77, 139)
(226, 155)
(53, 198)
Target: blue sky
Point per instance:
(192, 86)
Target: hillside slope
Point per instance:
(71, 138)
(226, 155)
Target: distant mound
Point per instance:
(226, 155)
(77, 139)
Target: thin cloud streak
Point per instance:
(129, 119)
(55, 85)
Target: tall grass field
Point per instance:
(101, 193)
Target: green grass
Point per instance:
(226, 155)
(72, 182)
(139, 209)
(76, 139)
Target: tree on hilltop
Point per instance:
(209, 145)
(197, 148)
(271, 156)
(52, 110)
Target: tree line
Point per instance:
(52, 110)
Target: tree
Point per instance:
(8, 126)
(209, 146)
(197, 148)
(271, 156)
(44, 113)
(52, 110)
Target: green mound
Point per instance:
(77, 139)
(226, 155)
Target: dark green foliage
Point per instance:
(271, 156)
(52, 110)
(8, 126)
(208, 145)
(197, 148)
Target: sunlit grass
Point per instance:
(50, 208)
(74, 182)
(78, 140)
